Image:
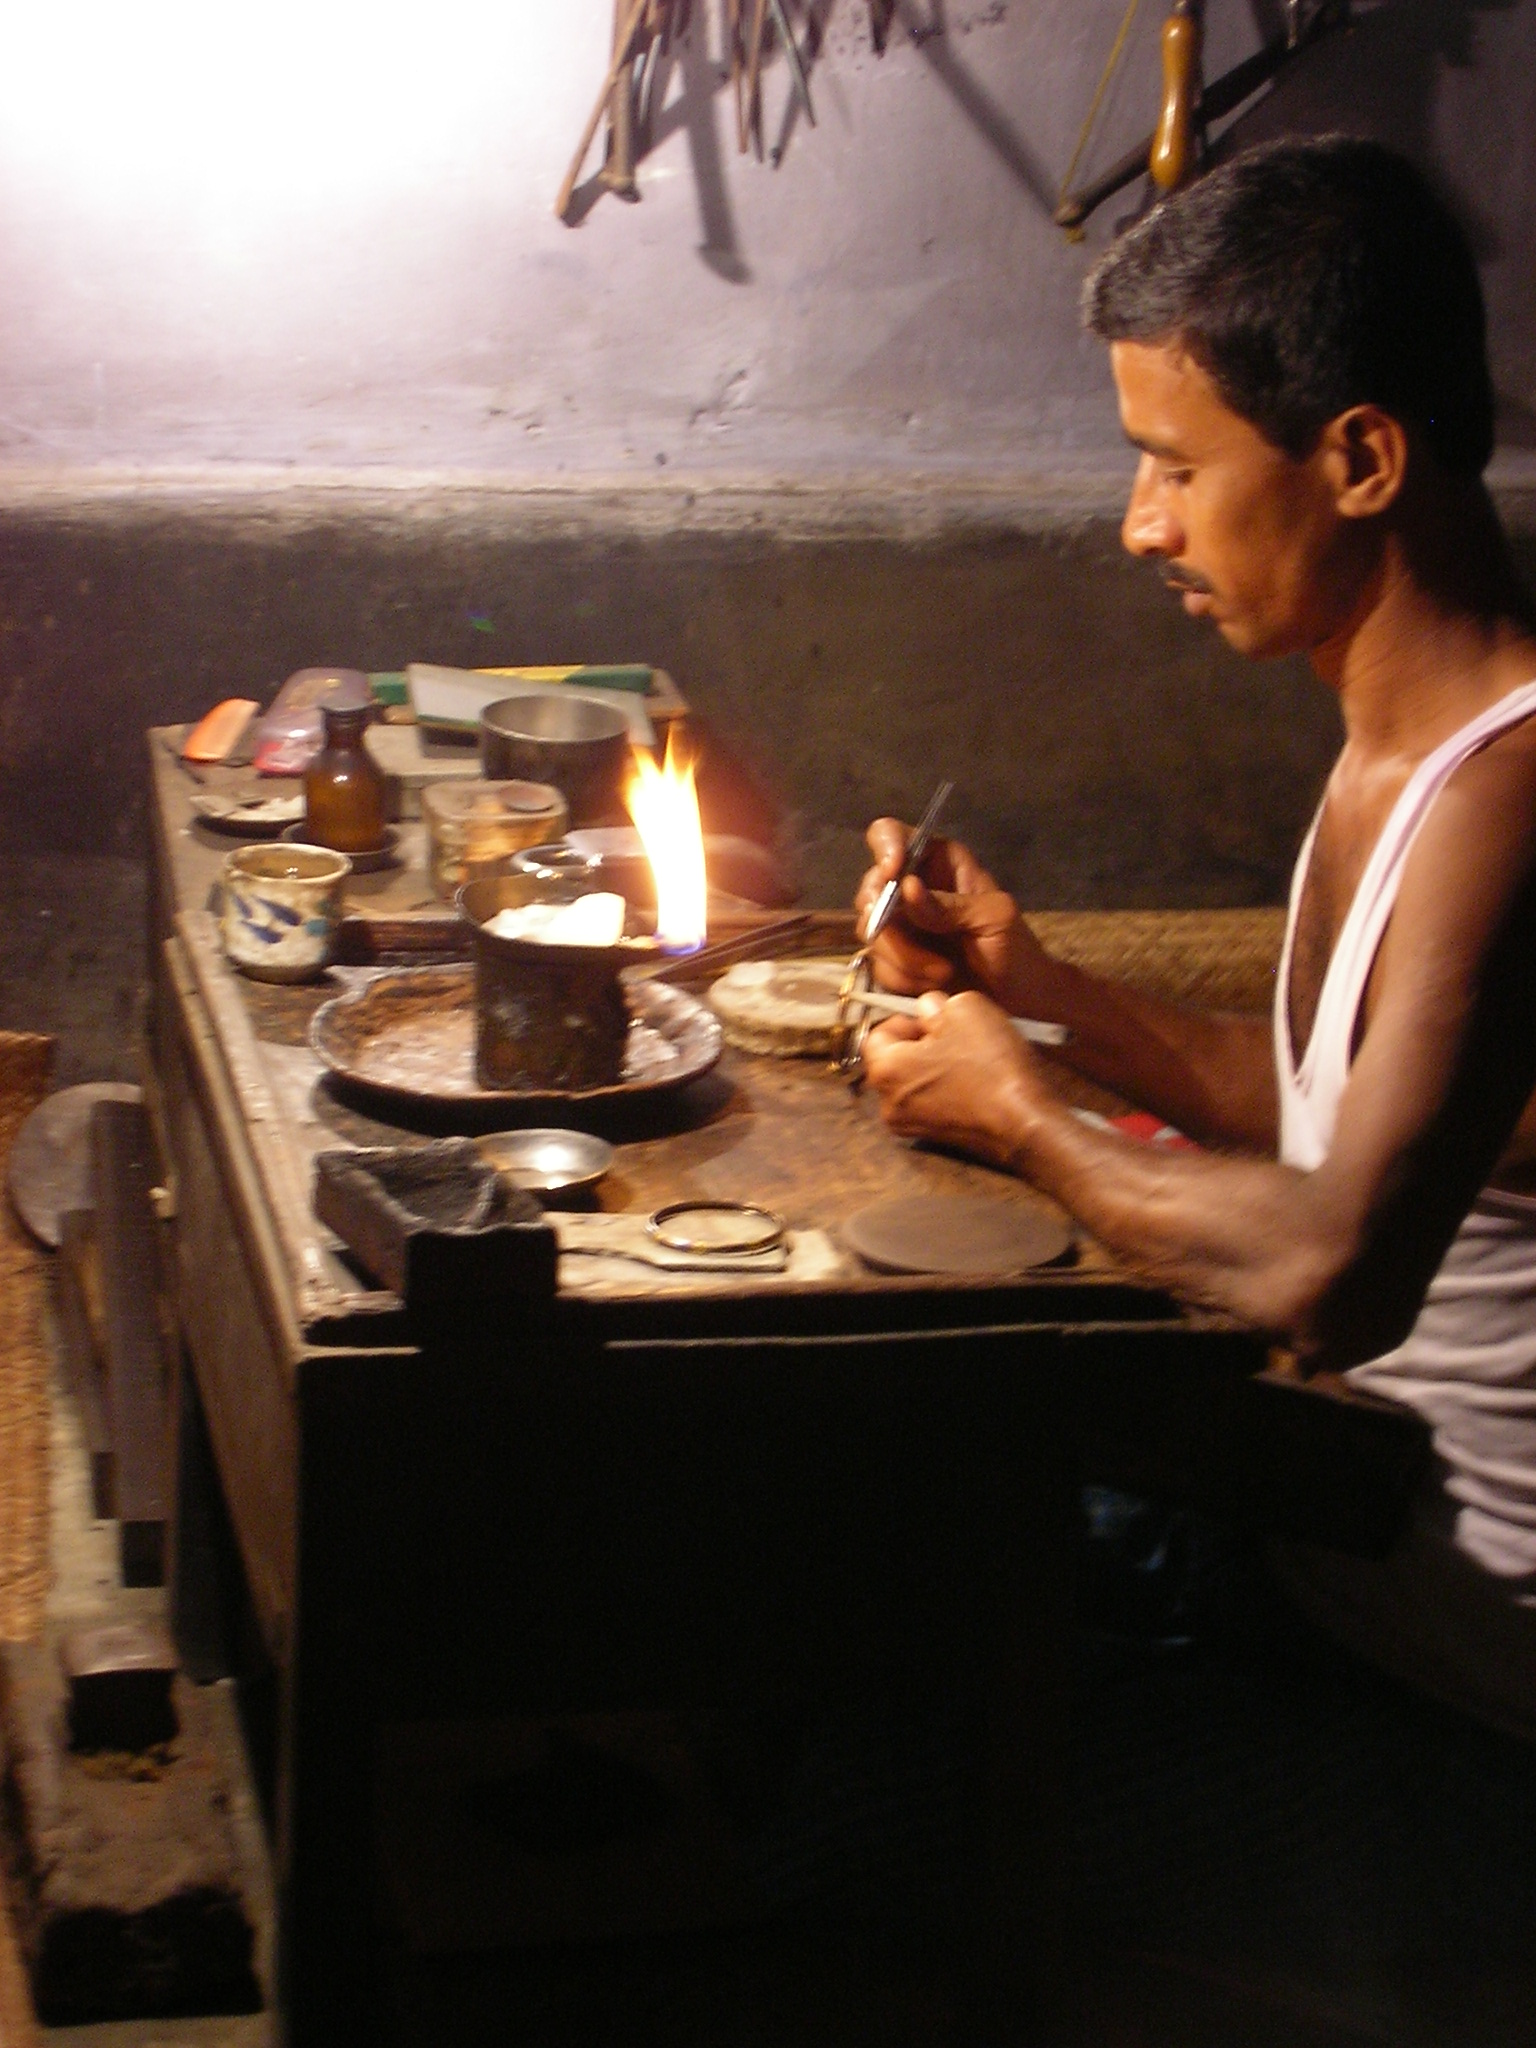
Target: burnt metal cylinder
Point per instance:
(546, 1016)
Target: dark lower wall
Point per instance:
(1106, 750)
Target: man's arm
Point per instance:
(1336, 1260)
(1210, 1075)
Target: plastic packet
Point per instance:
(291, 731)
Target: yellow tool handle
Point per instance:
(1173, 144)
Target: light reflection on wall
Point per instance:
(232, 117)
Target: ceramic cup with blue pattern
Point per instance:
(281, 909)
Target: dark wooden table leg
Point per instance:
(328, 1987)
(121, 1157)
(1018, 1968)
(203, 1563)
(328, 1984)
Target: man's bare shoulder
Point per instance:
(1504, 768)
(1475, 855)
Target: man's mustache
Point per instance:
(1186, 579)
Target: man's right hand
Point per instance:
(953, 928)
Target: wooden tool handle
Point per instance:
(618, 172)
(1173, 144)
(622, 42)
(752, 125)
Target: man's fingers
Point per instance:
(956, 910)
(890, 1031)
(887, 841)
(927, 910)
(907, 966)
(883, 1043)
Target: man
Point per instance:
(1297, 345)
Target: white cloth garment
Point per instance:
(1469, 1363)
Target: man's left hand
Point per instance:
(957, 1074)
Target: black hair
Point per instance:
(1307, 276)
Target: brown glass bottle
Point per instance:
(344, 785)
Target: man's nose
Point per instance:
(1148, 528)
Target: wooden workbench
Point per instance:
(637, 1494)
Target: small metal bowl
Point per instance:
(560, 868)
(548, 1162)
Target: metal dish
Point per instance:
(548, 1162)
(385, 855)
(252, 817)
(408, 1035)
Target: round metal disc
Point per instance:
(716, 1227)
(955, 1234)
(50, 1164)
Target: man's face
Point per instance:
(1249, 537)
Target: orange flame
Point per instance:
(665, 807)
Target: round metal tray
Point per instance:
(409, 1035)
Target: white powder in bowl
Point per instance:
(596, 920)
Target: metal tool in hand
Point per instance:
(917, 852)
(879, 1002)
(853, 1016)
(860, 1003)
(860, 1008)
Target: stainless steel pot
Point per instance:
(579, 745)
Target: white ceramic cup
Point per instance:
(282, 905)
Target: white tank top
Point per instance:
(1469, 1363)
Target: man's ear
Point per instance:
(1365, 454)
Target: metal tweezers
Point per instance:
(850, 1032)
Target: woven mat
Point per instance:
(25, 1060)
(1212, 959)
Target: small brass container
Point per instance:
(474, 826)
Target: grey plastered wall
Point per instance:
(1107, 751)
(232, 237)
(1104, 750)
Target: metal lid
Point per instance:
(469, 797)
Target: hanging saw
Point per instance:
(1173, 149)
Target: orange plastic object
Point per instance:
(1173, 146)
(219, 732)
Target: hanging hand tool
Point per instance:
(1178, 142)
(622, 44)
(654, 31)
(733, 39)
(618, 172)
(793, 59)
(1305, 25)
(754, 124)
